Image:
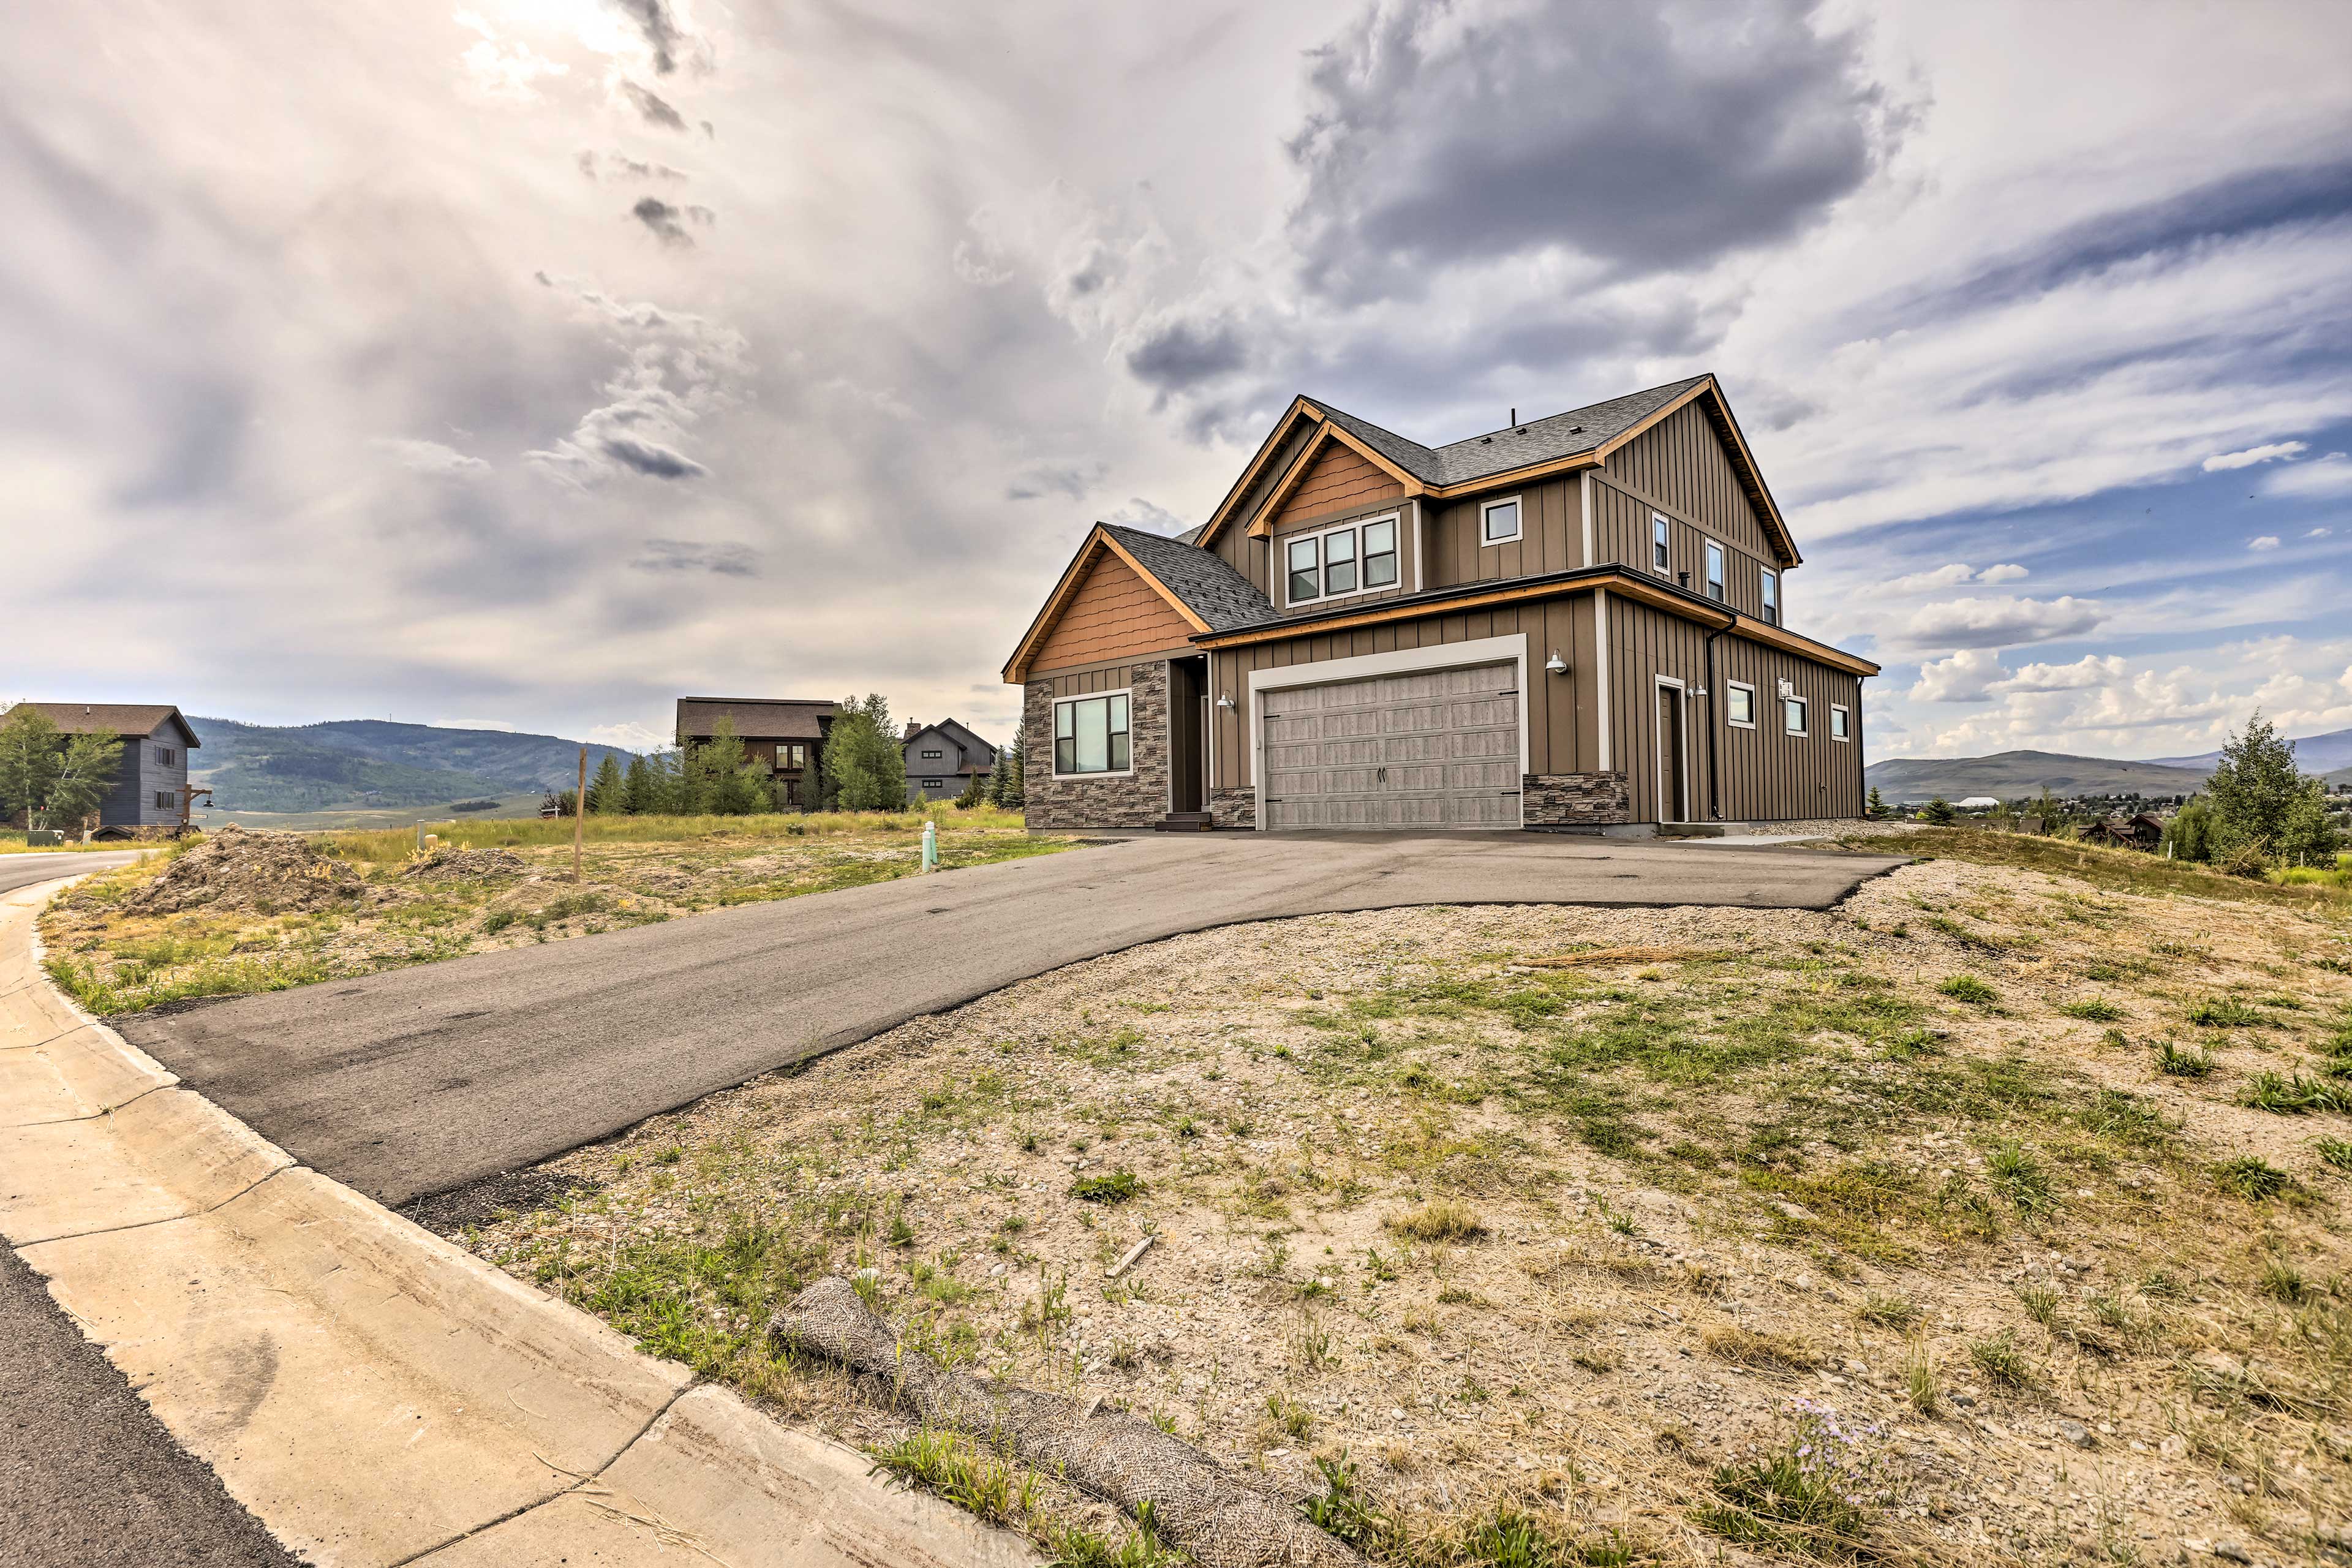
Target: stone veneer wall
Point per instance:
(1137, 799)
(1234, 807)
(1576, 800)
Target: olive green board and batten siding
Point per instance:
(1551, 535)
(1681, 461)
(1620, 533)
(1563, 725)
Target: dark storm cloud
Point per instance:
(1650, 140)
(667, 222)
(650, 459)
(1176, 354)
(689, 555)
(660, 28)
(655, 110)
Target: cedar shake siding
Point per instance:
(1338, 482)
(1113, 614)
(1397, 707)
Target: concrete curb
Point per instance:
(374, 1396)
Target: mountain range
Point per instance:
(375, 763)
(2011, 775)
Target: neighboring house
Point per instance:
(151, 781)
(2140, 832)
(783, 734)
(942, 758)
(1578, 621)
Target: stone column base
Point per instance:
(1576, 800)
(1234, 807)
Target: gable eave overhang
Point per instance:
(188, 736)
(1098, 543)
(1299, 409)
(1261, 520)
(1727, 429)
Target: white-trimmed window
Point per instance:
(1772, 585)
(1714, 570)
(1090, 735)
(935, 783)
(1796, 715)
(1739, 705)
(1662, 559)
(932, 754)
(1498, 521)
(1838, 720)
(1333, 563)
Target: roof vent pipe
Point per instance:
(1515, 417)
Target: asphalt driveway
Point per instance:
(421, 1081)
(23, 871)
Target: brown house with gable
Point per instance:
(1576, 623)
(786, 735)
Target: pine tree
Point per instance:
(606, 786)
(637, 791)
(865, 768)
(1008, 782)
(1939, 813)
(1875, 808)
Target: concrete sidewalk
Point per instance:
(371, 1394)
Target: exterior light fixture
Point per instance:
(1225, 700)
(1555, 665)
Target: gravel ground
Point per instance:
(1760, 1157)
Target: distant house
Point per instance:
(151, 783)
(783, 734)
(942, 758)
(2140, 832)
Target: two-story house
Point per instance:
(942, 758)
(1575, 623)
(149, 796)
(785, 734)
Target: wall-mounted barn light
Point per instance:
(1225, 700)
(1555, 665)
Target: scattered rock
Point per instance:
(1793, 1211)
(455, 865)
(235, 869)
(2074, 1432)
(2232, 1552)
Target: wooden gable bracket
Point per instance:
(1096, 545)
(1262, 525)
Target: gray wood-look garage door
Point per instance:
(1436, 748)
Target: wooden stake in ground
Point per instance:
(579, 813)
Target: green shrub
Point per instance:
(1115, 1188)
(2287, 1094)
(1968, 988)
(2226, 1013)
(2094, 1010)
(2180, 1061)
(2250, 1176)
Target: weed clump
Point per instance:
(2252, 1176)
(1115, 1188)
(1444, 1220)
(1812, 1495)
(1970, 989)
(2183, 1061)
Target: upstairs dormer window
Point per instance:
(1333, 563)
(1771, 580)
(1661, 559)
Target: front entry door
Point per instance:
(1674, 788)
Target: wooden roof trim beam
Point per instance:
(1261, 524)
(1299, 409)
(1788, 641)
(1096, 545)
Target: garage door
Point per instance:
(1436, 748)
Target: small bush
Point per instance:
(2183, 1061)
(1889, 1311)
(1970, 989)
(1444, 1220)
(2250, 1176)
(2020, 1176)
(1115, 1188)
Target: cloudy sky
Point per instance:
(532, 362)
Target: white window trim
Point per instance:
(1355, 526)
(1749, 723)
(1682, 746)
(1663, 568)
(1713, 549)
(1330, 671)
(1806, 704)
(1839, 710)
(1053, 724)
(1516, 534)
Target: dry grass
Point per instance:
(1780, 1165)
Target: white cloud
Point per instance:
(1947, 576)
(2264, 542)
(1968, 676)
(2253, 454)
(2001, 620)
(2006, 572)
(629, 737)
(430, 456)
(2320, 479)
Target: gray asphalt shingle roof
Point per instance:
(1202, 578)
(125, 719)
(1537, 441)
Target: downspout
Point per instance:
(1714, 736)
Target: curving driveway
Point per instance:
(420, 1080)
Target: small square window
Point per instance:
(165, 800)
(1739, 705)
(1500, 521)
(1793, 716)
(1838, 721)
(163, 757)
(1660, 558)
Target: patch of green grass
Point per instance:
(1786, 1502)
(1970, 989)
(2094, 1010)
(2252, 1176)
(2183, 1061)
(2228, 1013)
(2291, 1094)
(1997, 1357)
(1888, 1311)
(2336, 1152)
(1115, 1188)
(1444, 1220)
(2016, 1174)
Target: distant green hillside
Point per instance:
(371, 762)
(2009, 775)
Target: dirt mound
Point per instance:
(455, 865)
(235, 869)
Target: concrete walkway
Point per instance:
(371, 1394)
(420, 1080)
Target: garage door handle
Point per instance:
(1383, 778)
